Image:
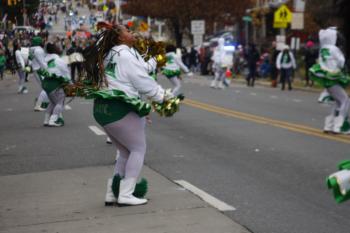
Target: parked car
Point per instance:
(28, 29)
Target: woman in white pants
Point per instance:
(37, 56)
(118, 106)
(329, 73)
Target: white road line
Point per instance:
(96, 130)
(222, 206)
(252, 93)
(273, 97)
(297, 100)
(67, 107)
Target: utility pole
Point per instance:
(24, 13)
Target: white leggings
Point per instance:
(56, 104)
(341, 101)
(177, 85)
(128, 134)
(42, 98)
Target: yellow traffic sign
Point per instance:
(283, 15)
(280, 24)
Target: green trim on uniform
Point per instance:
(171, 73)
(332, 183)
(328, 79)
(51, 82)
(110, 110)
(113, 105)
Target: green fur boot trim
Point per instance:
(346, 126)
(140, 189)
(60, 121)
(44, 105)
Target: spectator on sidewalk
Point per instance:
(274, 71)
(311, 55)
(286, 63)
(252, 57)
(2, 64)
(75, 56)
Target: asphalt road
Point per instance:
(274, 176)
(258, 149)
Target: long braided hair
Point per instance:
(96, 53)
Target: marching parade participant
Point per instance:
(53, 78)
(173, 67)
(37, 56)
(329, 73)
(222, 61)
(21, 66)
(118, 108)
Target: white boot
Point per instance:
(38, 107)
(47, 119)
(338, 123)
(328, 124)
(53, 121)
(126, 189)
(221, 85)
(213, 84)
(110, 198)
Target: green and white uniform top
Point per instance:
(56, 74)
(126, 71)
(328, 71)
(174, 65)
(331, 58)
(127, 79)
(37, 57)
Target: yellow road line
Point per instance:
(263, 120)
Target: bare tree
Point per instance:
(179, 13)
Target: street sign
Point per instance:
(280, 42)
(197, 39)
(283, 15)
(298, 21)
(299, 5)
(198, 27)
(247, 18)
(280, 24)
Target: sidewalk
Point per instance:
(72, 201)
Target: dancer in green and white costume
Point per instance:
(21, 67)
(329, 73)
(37, 55)
(53, 79)
(118, 107)
(173, 67)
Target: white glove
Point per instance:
(168, 95)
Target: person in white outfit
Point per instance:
(329, 73)
(285, 62)
(21, 66)
(118, 107)
(221, 62)
(37, 56)
(53, 79)
(173, 67)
